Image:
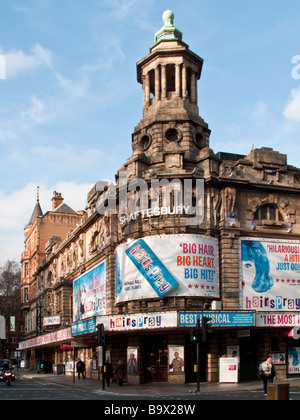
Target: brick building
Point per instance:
(41, 232)
(185, 233)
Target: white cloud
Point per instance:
(16, 209)
(18, 62)
(67, 155)
(260, 111)
(292, 109)
(35, 112)
(74, 194)
(111, 56)
(122, 8)
(73, 88)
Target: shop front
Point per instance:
(147, 337)
(157, 346)
(162, 347)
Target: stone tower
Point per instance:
(171, 134)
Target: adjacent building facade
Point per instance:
(184, 233)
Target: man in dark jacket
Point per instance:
(108, 371)
(80, 368)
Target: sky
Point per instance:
(69, 96)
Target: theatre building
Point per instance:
(184, 233)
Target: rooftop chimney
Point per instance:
(57, 200)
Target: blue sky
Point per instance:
(69, 99)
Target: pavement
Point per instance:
(148, 389)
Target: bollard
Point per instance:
(278, 392)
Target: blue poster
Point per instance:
(150, 266)
(83, 327)
(89, 294)
(218, 319)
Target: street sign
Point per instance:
(77, 344)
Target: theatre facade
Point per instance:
(183, 233)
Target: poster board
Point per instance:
(89, 293)
(228, 370)
(167, 265)
(269, 275)
(132, 360)
(2, 328)
(176, 359)
(294, 360)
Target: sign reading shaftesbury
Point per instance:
(218, 319)
(167, 265)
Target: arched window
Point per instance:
(268, 212)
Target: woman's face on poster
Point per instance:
(249, 270)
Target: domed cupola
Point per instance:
(171, 125)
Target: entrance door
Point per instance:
(157, 366)
(156, 360)
(248, 359)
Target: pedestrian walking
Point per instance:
(108, 371)
(81, 368)
(268, 372)
(120, 371)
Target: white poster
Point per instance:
(2, 328)
(176, 359)
(12, 323)
(269, 274)
(233, 351)
(167, 265)
(228, 372)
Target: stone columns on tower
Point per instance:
(184, 82)
(163, 81)
(183, 87)
(146, 90)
